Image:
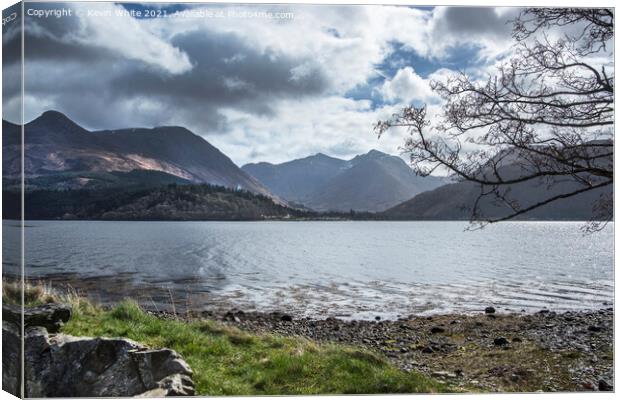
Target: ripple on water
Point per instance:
(362, 269)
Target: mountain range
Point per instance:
(60, 154)
(373, 182)
(55, 146)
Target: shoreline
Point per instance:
(487, 352)
(483, 352)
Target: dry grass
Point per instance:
(37, 293)
(34, 293)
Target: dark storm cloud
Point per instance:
(227, 72)
(103, 89)
(45, 38)
(470, 35)
(11, 66)
(11, 38)
(476, 20)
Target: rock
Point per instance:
(443, 374)
(516, 340)
(11, 358)
(428, 350)
(437, 329)
(51, 316)
(60, 365)
(500, 341)
(175, 385)
(603, 386)
(588, 385)
(157, 365)
(489, 310)
(68, 366)
(286, 318)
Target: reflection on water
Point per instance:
(346, 269)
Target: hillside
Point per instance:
(455, 201)
(171, 202)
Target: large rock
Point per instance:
(59, 365)
(68, 366)
(51, 316)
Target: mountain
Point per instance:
(297, 180)
(454, 201)
(55, 145)
(370, 182)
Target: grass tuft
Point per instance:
(34, 293)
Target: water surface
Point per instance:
(347, 269)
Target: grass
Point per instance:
(35, 294)
(228, 361)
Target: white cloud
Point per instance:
(333, 125)
(407, 86)
(129, 37)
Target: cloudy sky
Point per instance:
(259, 86)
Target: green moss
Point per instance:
(228, 361)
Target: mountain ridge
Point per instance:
(55, 144)
(368, 182)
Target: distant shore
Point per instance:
(548, 351)
(295, 219)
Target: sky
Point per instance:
(260, 82)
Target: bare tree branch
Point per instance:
(549, 111)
